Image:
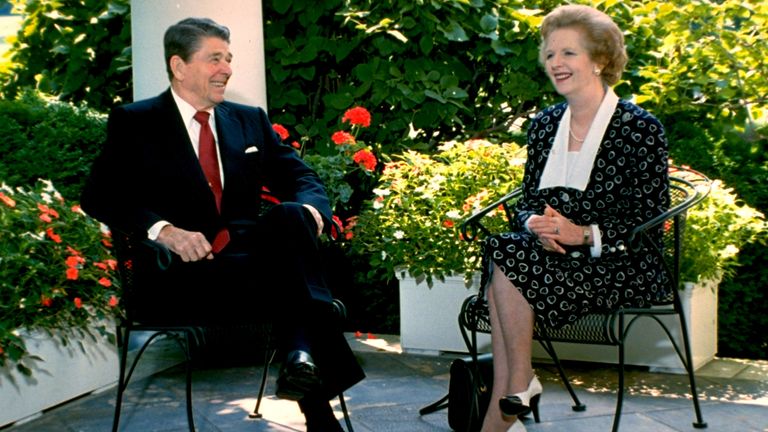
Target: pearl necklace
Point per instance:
(574, 136)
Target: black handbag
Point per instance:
(469, 392)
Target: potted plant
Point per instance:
(58, 296)
(411, 229)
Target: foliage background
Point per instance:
(456, 69)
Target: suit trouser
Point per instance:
(271, 270)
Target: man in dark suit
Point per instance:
(193, 182)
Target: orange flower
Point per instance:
(7, 200)
(280, 130)
(357, 116)
(113, 301)
(296, 145)
(53, 236)
(45, 218)
(365, 158)
(72, 273)
(45, 300)
(448, 223)
(74, 261)
(78, 302)
(105, 282)
(341, 137)
(101, 265)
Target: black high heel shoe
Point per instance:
(519, 404)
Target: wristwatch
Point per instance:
(587, 231)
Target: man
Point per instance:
(193, 183)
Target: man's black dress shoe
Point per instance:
(298, 376)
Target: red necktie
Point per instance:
(210, 164)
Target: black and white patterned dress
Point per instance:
(628, 185)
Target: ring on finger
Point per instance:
(557, 230)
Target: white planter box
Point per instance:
(66, 372)
(648, 345)
(429, 317)
(429, 325)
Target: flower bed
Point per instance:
(57, 274)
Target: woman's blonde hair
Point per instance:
(603, 38)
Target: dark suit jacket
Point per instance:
(148, 170)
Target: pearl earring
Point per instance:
(596, 71)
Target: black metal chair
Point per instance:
(687, 188)
(132, 256)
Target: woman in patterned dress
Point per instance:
(596, 168)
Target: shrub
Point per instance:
(48, 139)
(413, 221)
(716, 230)
(56, 270)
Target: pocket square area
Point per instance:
(252, 149)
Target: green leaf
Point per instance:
(455, 32)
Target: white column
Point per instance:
(150, 19)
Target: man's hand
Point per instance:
(189, 245)
(318, 218)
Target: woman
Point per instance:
(596, 168)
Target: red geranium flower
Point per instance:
(105, 282)
(341, 137)
(365, 158)
(113, 301)
(448, 223)
(357, 116)
(296, 145)
(78, 302)
(280, 130)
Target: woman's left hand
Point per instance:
(554, 230)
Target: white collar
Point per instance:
(188, 112)
(556, 171)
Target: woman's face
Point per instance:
(569, 65)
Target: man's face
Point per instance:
(202, 80)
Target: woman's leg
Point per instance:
(511, 340)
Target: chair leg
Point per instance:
(688, 364)
(188, 357)
(550, 349)
(344, 410)
(620, 392)
(268, 357)
(122, 338)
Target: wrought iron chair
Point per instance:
(136, 255)
(687, 188)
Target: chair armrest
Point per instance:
(130, 245)
(471, 227)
